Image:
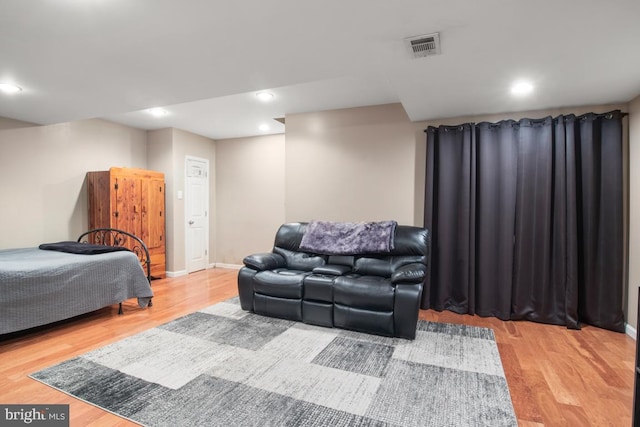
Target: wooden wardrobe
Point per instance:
(131, 200)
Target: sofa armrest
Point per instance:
(406, 309)
(332, 269)
(410, 273)
(264, 261)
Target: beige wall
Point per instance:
(6, 123)
(355, 164)
(160, 158)
(250, 202)
(167, 151)
(634, 210)
(43, 169)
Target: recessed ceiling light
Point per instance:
(265, 96)
(9, 88)
(521, 88)
(157, 112)
(263, 127)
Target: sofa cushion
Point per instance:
(317, 313)
(279, 283)
(384, 266)
(318, 287)
(365, 292)
(347, 260)
(373, 266)
(264, 261)
(376, 322)
(332, 269)
(410, 273)
(411, 241)
(290, 235)
(300, 260)
(283, 308)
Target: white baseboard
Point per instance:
(176, 273)
(214, 265)
(630, 330)
(230, 266)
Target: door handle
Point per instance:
(191, 222)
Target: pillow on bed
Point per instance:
(80, 248)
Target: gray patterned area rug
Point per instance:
(222, 366)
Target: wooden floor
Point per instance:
(556, 376)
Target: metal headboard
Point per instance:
(115, 237)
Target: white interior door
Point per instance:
(196, 213)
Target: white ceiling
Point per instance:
(203, 60)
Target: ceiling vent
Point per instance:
(423, 46)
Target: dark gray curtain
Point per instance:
(526, 219)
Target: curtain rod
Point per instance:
(622, 114)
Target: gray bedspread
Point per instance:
(38, 287)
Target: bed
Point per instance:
(61, 280)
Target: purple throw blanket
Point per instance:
(348, 238)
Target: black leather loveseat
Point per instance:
(377, 293)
